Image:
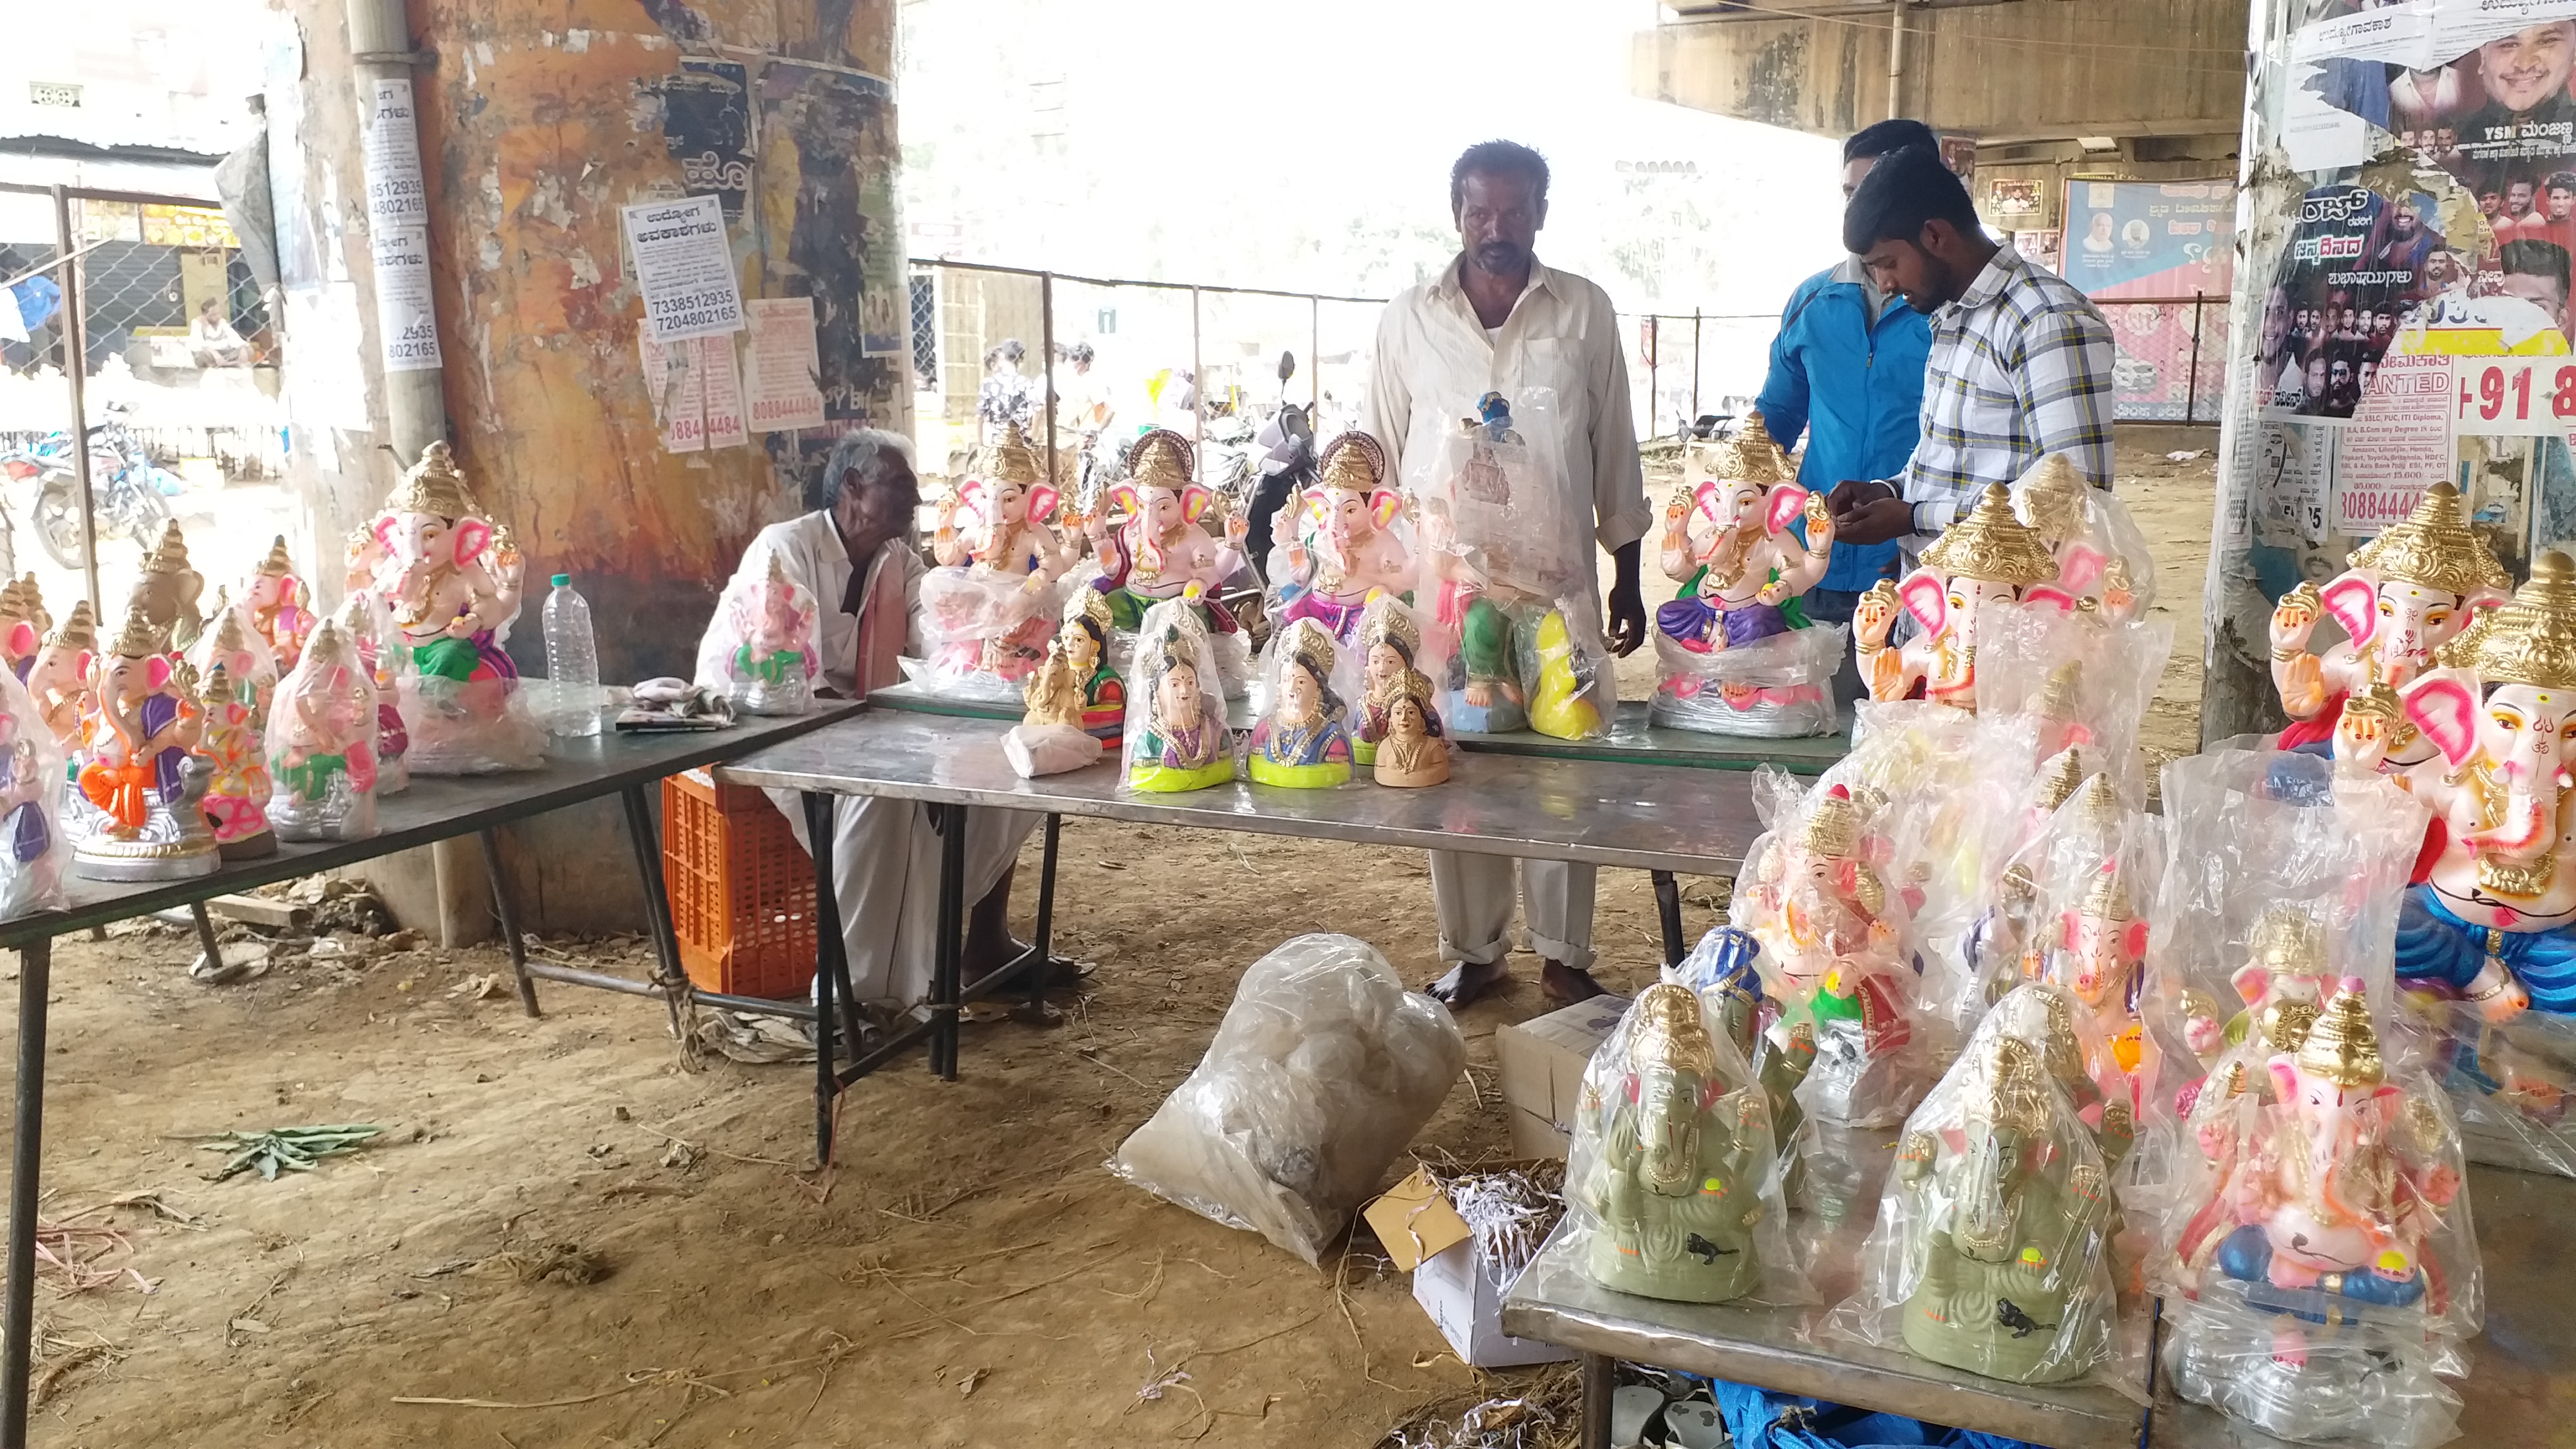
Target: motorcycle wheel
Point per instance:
(58, 521)
(146, 512)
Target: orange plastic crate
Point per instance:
(742, 890)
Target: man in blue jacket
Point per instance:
(1847, 370)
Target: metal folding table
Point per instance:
(432, 810)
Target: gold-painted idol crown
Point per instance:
(277, 565)
(2288, 941)
(1385, 620)
(1013, 460)
(1833, 826)
(2064, 775)
(1991, 545)
(2097, 805)
(1089, 605)
(2065, 685)
(1752, 456)
(2531, 639)
(170, 555)
(2109, 898)
(433, 486)
(78, 630)
(13, 598)
(1311, 648)
(1671, 1032)
(138, 639)
(328, 649)
(2343, 1047)
(229, 636)
(1354, 461)
(2433, 548)
(2052, 497)
(2016, 1093)
(1161, 459)
(218, 689)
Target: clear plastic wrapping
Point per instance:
(759, 651)
(468, 726)
(228, 639)
(1302, 740)
(33, 851)
(1673, 1183)
(2086, 680)
(1322, 1071)
(1395, 722)
(983, 632)
(2103, 565)
(1992, 1248)
(362, 618)
(1176, 735)
(322, 744)
(1779, 687)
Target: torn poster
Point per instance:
(784, 366)
(679, 393)
(723, 392)
(683, 266)
(2398, 443)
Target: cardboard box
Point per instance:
(1535, 1136)
(1453, 1280)
(1540, 1065)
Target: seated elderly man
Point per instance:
(857, 556)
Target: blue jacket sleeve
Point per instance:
(1784, 393)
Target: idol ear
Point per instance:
(2285, 1079)
(1041, 501)
(385, 533)
(156, 670)
(971, 493)
(2133, 941)
(1784, 504)
(1926, 599)
(2354, 603)
(2445, 707)
(22, 638)
(2066, 930)
(1383, 505)
(1704, 497)
(2051, 595)
(471, 535)
(2081, 567)
(1124, 496)
(1194, 501)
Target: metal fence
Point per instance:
(2172, 363)
(1683, 366)
(136, 318)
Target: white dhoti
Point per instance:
(885, 875)
(1474, 895)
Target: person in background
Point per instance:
(1496, 320)
(2561, 194)
(1006, 396)
(857, 556)
(1081, 411)
(2520, 222)
(36, 299)
(2020, 364)
(1847, 371)
(212, 342)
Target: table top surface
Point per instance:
(434, 809)
(2521, 1386)
(1632, 739)
(1597, 812)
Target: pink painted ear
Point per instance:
(971, 493)
(1125, 498)
(1194, 501)
(81, 667)
(1783, 505)
(385, 533)
(2066, 930)
(2133, 941)
(2354, 603)
(2081, 568)
(471, 535)
(1383, 505)
(1704, 497)
(1926, 600)
(156, 671)
(22, 638)
(2285, 1079)
(2051, 595)
(2445, 708)
(1041, 501)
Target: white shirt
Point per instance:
(810, 552)
(1433, 360)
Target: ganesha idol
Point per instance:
(322, 744)
(1156, 548)
(1985, 559)
(2103, 569)
(449, 580)
(987, 605)
(1725, 641)
(279, 605)
(2404, 595)
(1340, 543)
(134, 811)
(1819, 910)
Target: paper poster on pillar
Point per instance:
(723, 390)
(782, 366)
(2292, 470)
(2401, 441)
(678, 391)
(683, 268)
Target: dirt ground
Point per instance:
(569, 1237)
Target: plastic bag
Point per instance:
(1302, 740)
(33, 848)
(2085, 679)
(1780, 687)
(468, 726)
(1176, 735)
(1991, 1252)
(322, 744)
(1572, 692)
(1321, 1072)
(2103, 563)
(982, 632)
(1398, 664)
(364, 621)
(760, 649)
(1673, 1184)
(228, 639)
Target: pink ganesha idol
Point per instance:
(322, 744)
(998, 557)
(279, 605)
(1341, 545)
(1986, 558)
(441, 568)
(1727, 542)
(1157, 548)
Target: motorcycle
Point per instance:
(130, 490)
(1285, 465)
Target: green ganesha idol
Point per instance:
(1676, 1179)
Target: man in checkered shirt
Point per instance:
(2020, 363)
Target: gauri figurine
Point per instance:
(1986, 558)
(1390, 641)
(1084, 637)
(322, 743)
(138, 812)
(1301, 742)
(1412, 754)
(1183, 743)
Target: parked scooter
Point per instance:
(1286, 465)
(130, 490)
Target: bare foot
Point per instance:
(1468, 980)
(1568, 984)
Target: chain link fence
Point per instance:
(135, 315)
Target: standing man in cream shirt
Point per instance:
(1495, 320)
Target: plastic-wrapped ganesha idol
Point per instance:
(1738, 654)
(1986, 558)
(279, 605)
(238, 787)
(1157, 548)
(758, 651)
(987, 611)
(322, 743)
(31, 780)
(447, 575)
(2103, 566)
(1342, 541)
(136, 810)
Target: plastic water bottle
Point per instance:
(572, 662)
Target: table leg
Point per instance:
(946, 988)
(657, 904)
(206, 940)
(1034, 1010)
(17, 1328)
(1668, 907)
(501, 907)
(827, 944)
(1598, 1381)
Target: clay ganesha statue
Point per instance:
(1341, 545)
(1986, 558)
(136, 811)
(449, 579)
(1727, 543)
(1158, 549)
